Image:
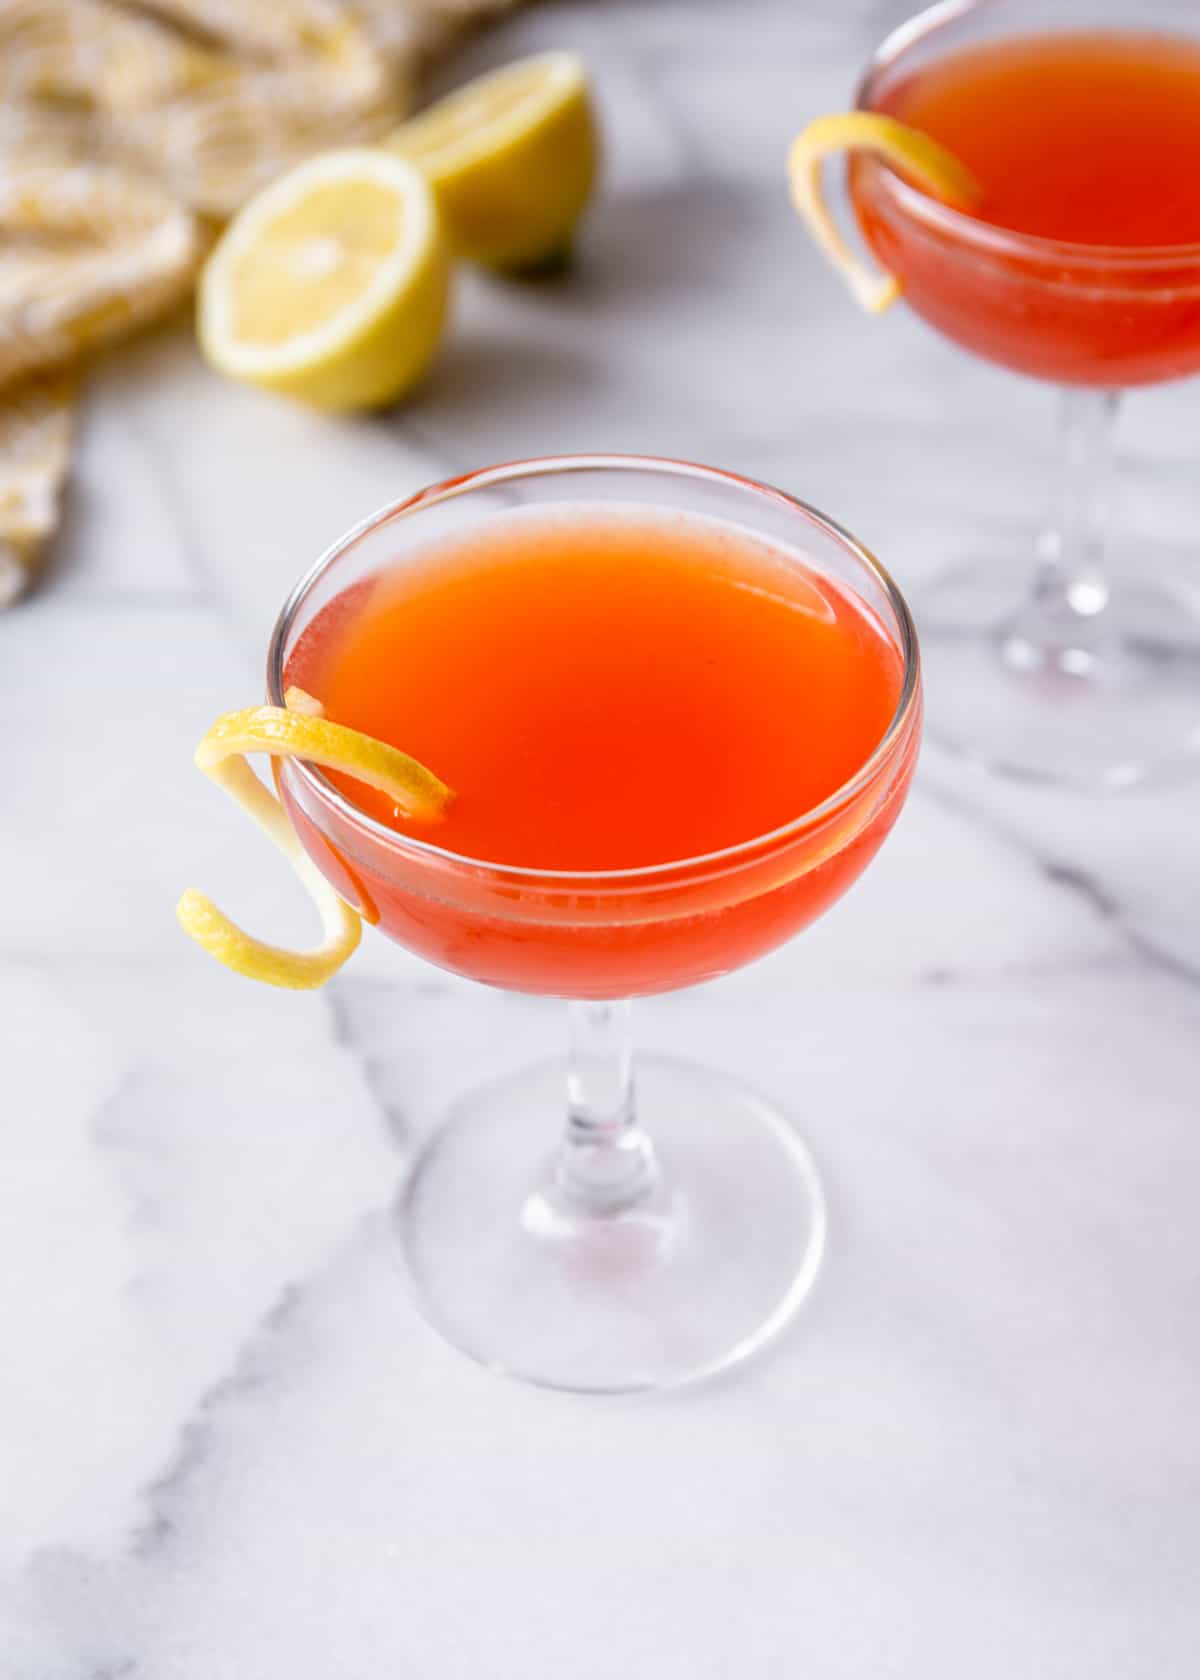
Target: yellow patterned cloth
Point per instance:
(128, 132)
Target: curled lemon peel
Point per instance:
(915, 155)
(296, 700)
(299, 731)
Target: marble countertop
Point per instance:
(230, 1449)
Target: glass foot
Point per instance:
(1102, 698)
(698, 1272)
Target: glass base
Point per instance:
(698, 1273)
(1102, 702)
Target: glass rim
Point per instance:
(549, 466)
(988, 236)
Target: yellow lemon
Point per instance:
(331, 285)
(300, 731)
(916, 156)
(512, 158)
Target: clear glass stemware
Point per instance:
(597, 1224)
(1090, 677)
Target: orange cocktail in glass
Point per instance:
(680, 711)
(613, 693)
(1079, 263)
(1086, 139)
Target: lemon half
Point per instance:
(332, 284)
(300, 731)
(915, 155)
(512, 158)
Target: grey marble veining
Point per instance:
(230, 1449)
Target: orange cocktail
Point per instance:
(679, 711)
(611, 692)
(1081, 260)
(1026, 175)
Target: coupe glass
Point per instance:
(1092, 677)
(574, 1224)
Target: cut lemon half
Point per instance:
(300, 731)
(916, 156)
(512, 158)
(331, 285)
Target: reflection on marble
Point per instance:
(230, 1448)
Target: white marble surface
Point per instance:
(229, 1450)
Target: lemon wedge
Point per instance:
(331, 285)
(915, 155)
(300, 731)
(512, 158)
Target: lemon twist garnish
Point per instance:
(915, 155)
(300, 731)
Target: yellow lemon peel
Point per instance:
(300, 731)
(915, 155)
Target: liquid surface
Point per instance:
(1088, 137)
(606, 692)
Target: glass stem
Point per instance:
(1071, 588)
(606, 1161)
